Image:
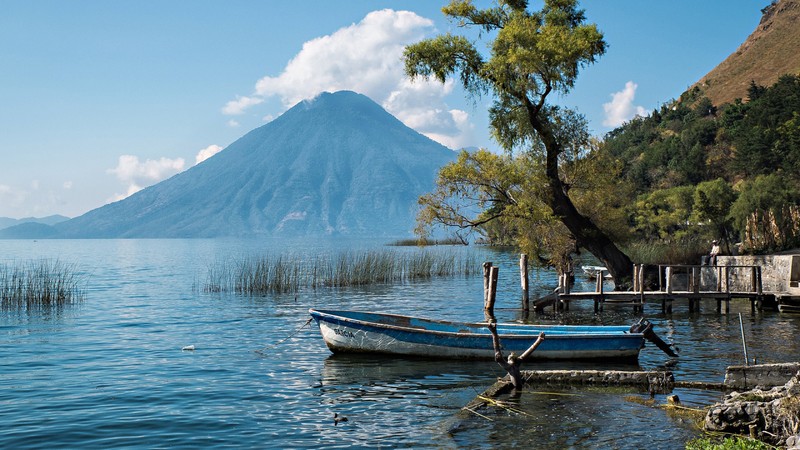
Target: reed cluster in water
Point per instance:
(39, 284)
(286, 274)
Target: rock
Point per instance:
(773, 416)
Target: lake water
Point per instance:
(111, 373)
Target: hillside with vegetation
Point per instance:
(769, 52)
(700, 171)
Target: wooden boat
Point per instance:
(592, 271)
(367, 332)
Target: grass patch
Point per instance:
(285, 274)
(424, 242)
(682, 252)
(41, 284)
(728, 443)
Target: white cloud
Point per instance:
(236, 107)
(206, 153)
(233, 124)
(366, 57)
(138, 175)
(621, 109)
(67, 185)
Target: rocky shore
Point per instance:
(772, 416)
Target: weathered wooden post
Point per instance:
(635, 278)
(640, 280)
(726, 274)
(523, 275)
(486, 274)
(759, 287)
(696, 279)
(669, 279)
(489, 305)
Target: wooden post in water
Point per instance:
(727, 289)
(523, 275)
(635, 278)
(489, 305)
(696, 279)
(759, 287)
(486, 275)
(640, 277)
(669, 279)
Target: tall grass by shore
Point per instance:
(679, 252)
(287, 274)
(39, 284)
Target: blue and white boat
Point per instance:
(367, 332)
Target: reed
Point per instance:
(679, 252)
(424, 242)
(40, 284)
(286, 274)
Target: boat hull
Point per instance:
(356, 332)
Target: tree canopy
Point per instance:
(531, 55)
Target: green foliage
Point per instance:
(711, 204)
(691, 142)
(523, 196)
(728, 443)
(764, 193)
(664, 214)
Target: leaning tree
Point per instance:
(521, 58)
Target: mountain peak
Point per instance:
(337, 164)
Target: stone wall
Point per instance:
(779, 273)
(763, 376)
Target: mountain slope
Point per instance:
(337, 164)
(769, 52)
(6, 222)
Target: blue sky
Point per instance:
(101, 98)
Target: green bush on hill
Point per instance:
(702, 171)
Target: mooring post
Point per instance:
(635, 278)
(486, 274)
(523, 275)
(696, 279)
(759, 288)
(669, 279)
(489, 306)
(640, 284)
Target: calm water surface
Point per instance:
(111, 373)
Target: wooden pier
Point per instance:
(676, 282)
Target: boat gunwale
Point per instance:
(320, 314)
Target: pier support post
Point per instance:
(492, 295)
(486, 272)
(523, 275)
(640, 280)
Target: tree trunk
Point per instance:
(585, 232)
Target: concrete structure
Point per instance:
(763, 376)
(780, 274)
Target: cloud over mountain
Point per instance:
(366, 57)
